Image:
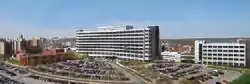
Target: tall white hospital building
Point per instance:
(122, 42)
(232, 54)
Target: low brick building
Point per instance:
(46, 57)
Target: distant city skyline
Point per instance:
(176, 18)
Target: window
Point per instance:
(231, 47)
(209, 46)
(219, 54)
(236, 55)
(224, 58)
(236, 50)
(204, 57)
(224, 54)
(219, 46)
(209, 54)
(219, 63)
(219, 50)
(236, 46)
(242, 47)
(209, 58)
(209, 50)
(214, 58)
(224, 46)
(236, 64)
(230, 54)
(242, 65)
(235, 59)
(242, 55)
(224, 50)
(204, 62)
(241, 59)
(230, 50)
(214, 46)
(241, 50)
(214, 54)
(214, 50)
(224, 63)
(204, 50)
(204, 46)
(204, 53)
(209, 62)
(219, 58)
(231, 59)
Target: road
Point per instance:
(134, 79)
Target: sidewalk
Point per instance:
(133, 72)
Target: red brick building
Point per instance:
(47, 56)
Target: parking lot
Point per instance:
(175, 71)
(90, 69)
(211, 76)
(194, 73)
(14, 75)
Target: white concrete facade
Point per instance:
(122, 42)
(171, 56)
(2, 47)
(233, 54)
(197, 57)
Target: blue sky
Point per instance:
(177, 18)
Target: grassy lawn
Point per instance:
(243, 79)
(81, 56)
(229, 68)
(142, 71)
(13, 61)
(185, 81)
(146, 72)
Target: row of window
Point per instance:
(125, 51)
(112, 41)
(224, 63)
(124, 48)
(223, 51)
(86, 46)
(128, 55)
(209, 54)
(115, 35)
(230, 59)
(223, 46)
(112, 45)
(115, 32)
(103, 38)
